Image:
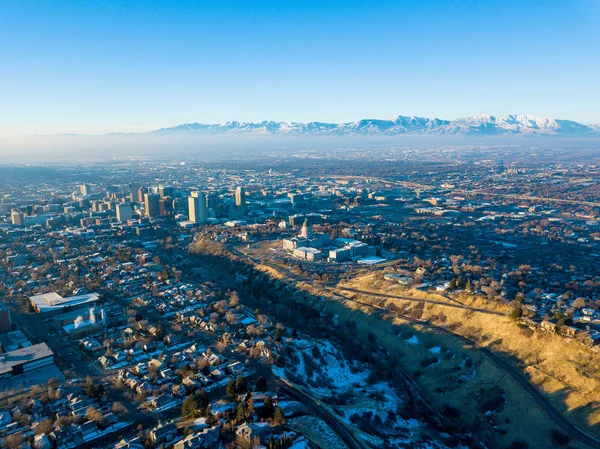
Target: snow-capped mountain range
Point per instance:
(475, 125)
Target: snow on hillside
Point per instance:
(317, 431)
(374, 409)
(321, 365)
(483, 124)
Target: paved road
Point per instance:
(320, 411)
(454, 304)
(557, 417)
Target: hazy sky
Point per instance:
(100, 66)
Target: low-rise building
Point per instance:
(25, 359)
(55, 303)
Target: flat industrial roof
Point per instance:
(48, 302)
(374, 260)
(13, 338)
(308, 249)
(23, 356)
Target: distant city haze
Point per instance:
(101, 67)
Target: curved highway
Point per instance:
(325, 414)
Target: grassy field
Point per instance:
(567, 372)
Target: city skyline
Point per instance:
(299, 225)
(98, 68)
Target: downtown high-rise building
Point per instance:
(165, 191)
(124, 212)
(141, 194)
(166, 206)
(240, 197)
(16, 217)
(152, 204)
(85, 189)
(212, 201)
(134, 188)
(198, 211)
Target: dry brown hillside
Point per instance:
(568, 372)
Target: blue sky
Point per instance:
(100, 66)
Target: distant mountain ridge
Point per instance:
(475, 125)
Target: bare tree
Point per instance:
(118, 408)
(13, 441)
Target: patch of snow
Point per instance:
(317, 431)
(413, 340)
(328, 373)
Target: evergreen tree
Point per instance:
(278, 418)
(230, 389)
(250, 406)
(517, 312)
(261, 384)
(452, 285)
(190, 407)
(241, 385)
(211, 420)
(268, 409)
(468, 286)
(202, 400)
(240, 412)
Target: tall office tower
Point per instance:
(240, 196)
(16, 217)
(235, 212)
(124, 212)
(152, 204)
(198, 212)
(166, 206)
(112, 191)
(165, 191)
(140, 194)
(212, 201)
(134, 187)
(85, 189)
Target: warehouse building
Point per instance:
(54, 303)
(25, 359)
